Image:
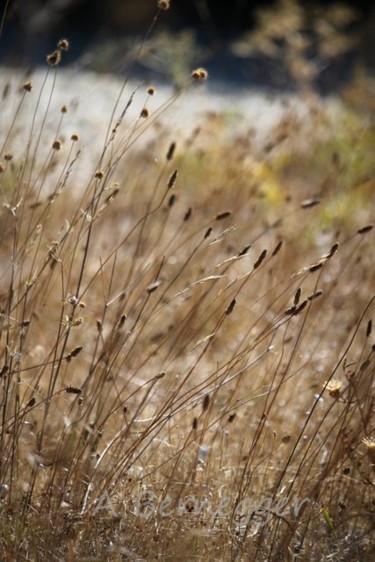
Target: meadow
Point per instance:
(187, 347)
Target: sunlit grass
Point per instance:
(187, 353)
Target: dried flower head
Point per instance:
(73, 390)
(27, 86)
(206, 402)
(369, 443)
(244, 251)
(151, 91)
(74, 137)
(297, 296)
(172, 179)
(2, 168)
(333, 387)
(8, 156)
(230, 308)
(171, 150)
(315, 295)
(56, 145)
(223, 215)
(54, 59)
(6, 91)
(144, 113)
(63, 45)
(365, 229)
(315, 267)
(64, 109)
(277, 248)
(164, 5)
(260, 259)
(199, 74)
(99, 174)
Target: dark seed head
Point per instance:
(260, 259)
(365, 229)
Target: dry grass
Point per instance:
(187, 356)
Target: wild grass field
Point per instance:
(187, 349)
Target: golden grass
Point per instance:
(187, 356)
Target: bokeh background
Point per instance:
(239, 41)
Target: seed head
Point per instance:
(334, 388)
(172, 179)
(64, 109)
(144, 113)
(230, 308)
(208, 232)
(260, 259)
(27, 86)
(290, 311)
(365, 229)
(315, 295)
(56, 145)
(6, 90)
(73, 390)
(8, 156)
(315, 267)
(63, 45)
(333, 249)
(74, 137)
(300, 307)
(199, 74)
(244, 251)
(369, 443)
(297, 296)
(31, 403)
(54, 59)
(171, 149)
(164, 5)
(76, 350)
(151, 91)
(121, 322)
(223, 215)
(171, 200)
(277, 248)
(206, 402)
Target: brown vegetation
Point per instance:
(187, 352)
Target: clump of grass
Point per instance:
(182, 374)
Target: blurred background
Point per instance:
(283, 44)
